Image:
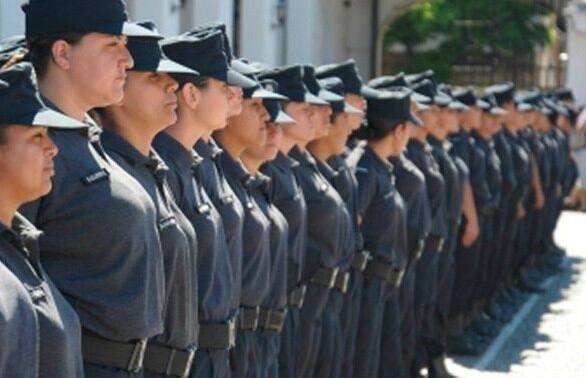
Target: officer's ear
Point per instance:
(61, 54)
(190, 95)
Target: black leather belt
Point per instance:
(248, 318)
(271, 319)
(128, 356)
(361, 261)
(217, 335)
(342, 280)
(297, 296)
(434, 243)
(168, 361)
(384, 272)
(325, 277)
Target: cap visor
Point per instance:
(419, 98)
(133, 30)
(352, 109)
(244, 68)
(482, 104)
(268, 95)
(52, 119)
(169, 66)
(422, 107)
(457, 105)
(284, 119)
(329, 96)
(314, 100)
(237, 79)
(415, 120)
(498, 111)
(369, 92)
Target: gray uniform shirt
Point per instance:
(58, 345)
(178, 242)
(98, 244)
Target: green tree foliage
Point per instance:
(468, 30)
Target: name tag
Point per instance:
(167, 222)
(98, 176)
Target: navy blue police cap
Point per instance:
(348, 72)
(468, 97)
(21, 104)
(205, 54)
(215, 27)
(315, 88)
(428, 89)
(503, 93)
(388, 81)
(149, 57)
(392, 106)
(51, 17)
(291, 85)
(335, 85)
(275, 107)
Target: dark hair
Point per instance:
(378, 129)
(334, 116)
(2, 135)
(40, 49)
(200, 82)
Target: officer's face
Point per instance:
(402, 136)
(320, 118)
(149, 100)
(355, 120)
(97, 65)
(216, 104)
(250, 124)
(269, 150)
(472, 117)
(448, 120)
(429, 118)
(234, 100)
(339, 132)
(304, 130)
(26, 163)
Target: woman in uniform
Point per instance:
(149, 106)
(40, 334)
(99, 245)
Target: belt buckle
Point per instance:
(232, 333)
(190, 358)
(333, 275)
(441, 244)
(344, 279)
(136, 361)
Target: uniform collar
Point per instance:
(285, 161)
(328, 172)
(385, 164)
(303, 157)
(92, 132)
(208, 149)
(21, 231)
(168, 146)
(236, 169)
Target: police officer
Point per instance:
(455, 177)
(286, 194)
(328, 219)
(383, 226)
(149, 106)
(332, 143)
(420, 152)
(243, 131)
(76, 73)
(344, 164)
(204, 106)
(273, 312)
(40, 334)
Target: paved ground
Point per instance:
(548, 337)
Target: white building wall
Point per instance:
(164, 13)
(11, 18)
(262, 32)
(576, 40)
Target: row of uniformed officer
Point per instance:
(217, 217)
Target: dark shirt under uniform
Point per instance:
(51, 338)
(98, 243)
(420, 154)
(215, 277)
(177, 240)
(382, 211)
(231, 210)
(493, 169)
(328, 221)
(256, 261)
(286, 194)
